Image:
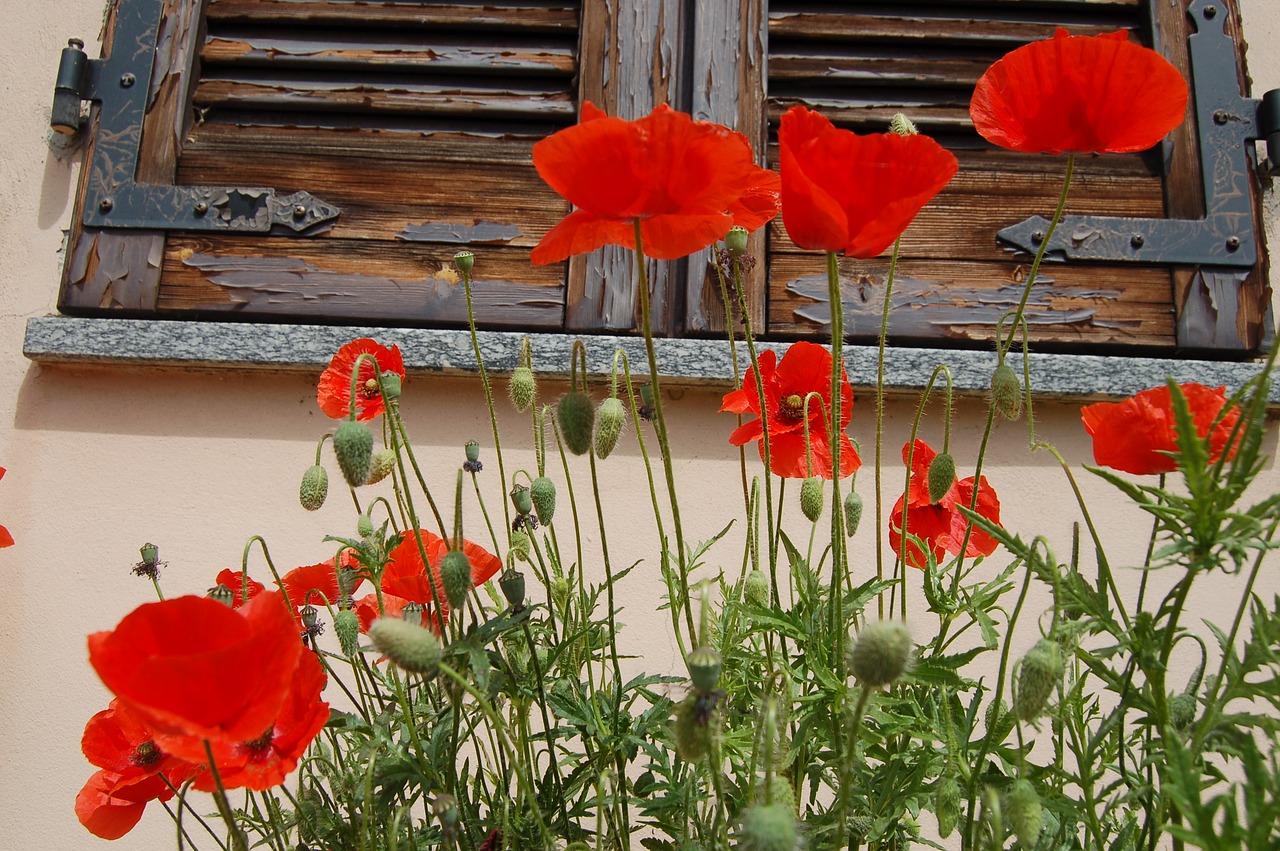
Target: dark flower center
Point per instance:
(261, 743)
(146, 753)
(792, 407)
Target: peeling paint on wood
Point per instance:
(1210, 309)
(480, 233)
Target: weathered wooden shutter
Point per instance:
(415, 119)
(859, 63)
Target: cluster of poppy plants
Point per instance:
(226, 692)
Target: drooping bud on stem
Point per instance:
(409, 645)
(942, 476)
(811, 498)
(880, 654)
(353, 446)
(543, 495)
(314, 488)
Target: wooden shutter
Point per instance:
(415, 119)
(859, 63)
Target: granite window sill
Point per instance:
(76, 341)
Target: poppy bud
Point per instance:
(520, 544)
(223, 595)
(384, 461)
(576, 416)
(609, 421)
(902, 126)
(782, 793)
(1182, 710)
(560, 592)
(150, 554)
(942, 476)
(364, 526)
(543, 495)
(1006, 392)
(811, 498)
(946, 805)
(1039, 673)
(1025, 813)
(697, 720)
(410, 646)
(511, 582)
(353, 445)
(577, 845)
(755, 590)
(523, 388)
(455, 576)
(767, 827)
(852, 512)
(465, 261)
(704, 669)
(736, 240)
(391, 385)
(347, 624)
(521, 499)
(314, 488)
(880, 654)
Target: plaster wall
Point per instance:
(100, 461)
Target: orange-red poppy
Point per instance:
(940, 524)
(313, 584)
(1138, 434)
(334, 392)
(1085, 94)
(191, 667)
(851, 193)
(406, 577)
(242, 586)
(805, 369)
(686, 182)
(111, 804)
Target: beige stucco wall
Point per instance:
(101, 461)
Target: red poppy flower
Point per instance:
(940, 524)
(805, 369)
(1138, 434)
(6, 540)
(191, 667)
(110, 804)
(681, 178)
(313, 584)
(268, 759)
(851, 193)
(235, 580)
(405, 575)
(117, 740)
(1087, 94)
(334, 393)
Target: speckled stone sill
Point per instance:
(237, 345)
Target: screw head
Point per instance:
(1210, 12)
(127, 80)
(77, 43)
(201, 208)
(1233, 243)
(105, 205)
(1137, 240)
(1037, 237)
(299, 211)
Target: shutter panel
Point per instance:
(416, 120)
(859, 64)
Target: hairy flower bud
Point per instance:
(1182, 710)
(577, 417)
(353, 445)
(1025, 813)
(881, 653)
(384, 461)
(523, 388)
(852, 512)
(704, 668)
(609, 421)
(1006, 392)
(1039, 673)
(455, 576)
(811, 498)
(902, 126)
(755, 590)
(942, 475)
(696, 723)
(520, 544)
(408, 645)
(347, 625)
(314, 488)
(946, 805)
(364, 526)
(543, 495)
(767, 827)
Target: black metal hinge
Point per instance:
(114, 199)
(1227, 124)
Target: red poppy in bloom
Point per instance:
(110, 804)
(805, 369)
(266, 760)
(235, 580)
(1085, 94)
(686, 181)
(313, 584)
(405, 575)
(334, 393)
(1138, 434)
(6, 540)
(851, 193)
(940, 524)
(192, 667)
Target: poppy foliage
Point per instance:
(686, 181)
(854, 194)
(334, 391)
(1084, 94)
(940, 525)
(805, 369)
(1138, 435)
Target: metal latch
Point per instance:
(1227, 125)
(114, 199)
